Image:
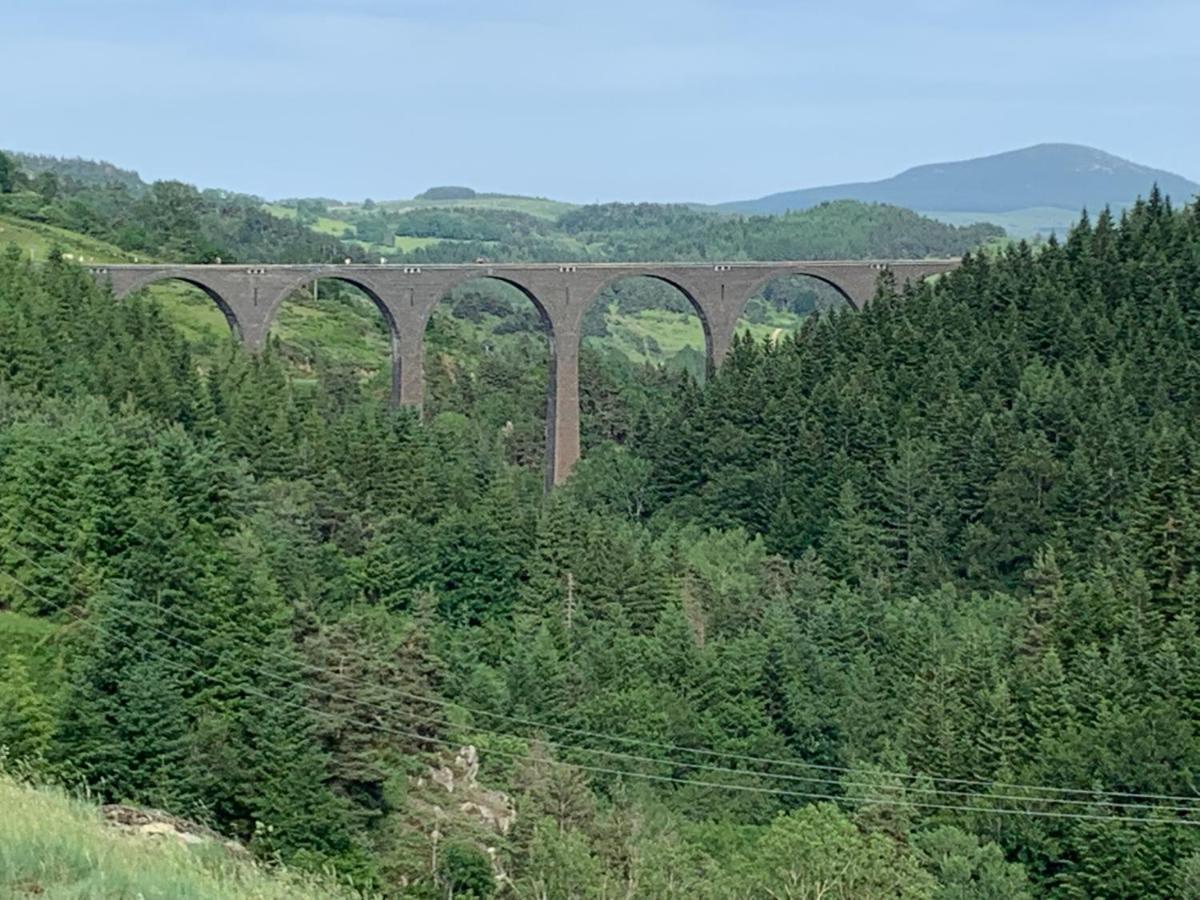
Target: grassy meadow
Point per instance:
(55, 847)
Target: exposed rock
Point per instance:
(460, 776)
(156, 823)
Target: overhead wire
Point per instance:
(1094, 795)
(1097, 797)
(758, 789)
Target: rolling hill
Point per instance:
(1032, 190)
(72, 205)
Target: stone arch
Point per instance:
(222, 303)
(697, 306)
(552, 324)
(773, 304)
(373, 293)
(464, 278)
(774, 274)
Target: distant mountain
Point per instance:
(1061, 176)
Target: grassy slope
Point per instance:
(349, 334)
(339, 228)
(655, 335)
(193, 313)
(38, 239)
(405, 242)
(56, 848)
(190, 309)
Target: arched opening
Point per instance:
(640, 336)
(336, 332)
(488, 344)
(778, 307)
(198, 312)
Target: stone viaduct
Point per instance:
(250, 296)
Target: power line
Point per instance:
(724, 770)
(1095, 795)
(618, 755)
(1090, 795)
(1145, 820)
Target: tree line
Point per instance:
(628, 232)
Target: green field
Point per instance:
(194, 313)
(322, 225)
(661, 335)
(405, 243)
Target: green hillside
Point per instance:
(37, 239)
(89, 172)
(68, 204)
(454, 231)
(320, 224)
(58, 848)
(167, 220)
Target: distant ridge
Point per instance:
(86, 171)
(1064, 176)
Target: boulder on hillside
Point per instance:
(156, 823)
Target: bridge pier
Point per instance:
(408, 368)
(562, 409)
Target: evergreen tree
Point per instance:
(26, 722)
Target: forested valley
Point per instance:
(903, 605)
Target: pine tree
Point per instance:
(26, 723)
(124, 726)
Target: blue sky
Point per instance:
(614, 100)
